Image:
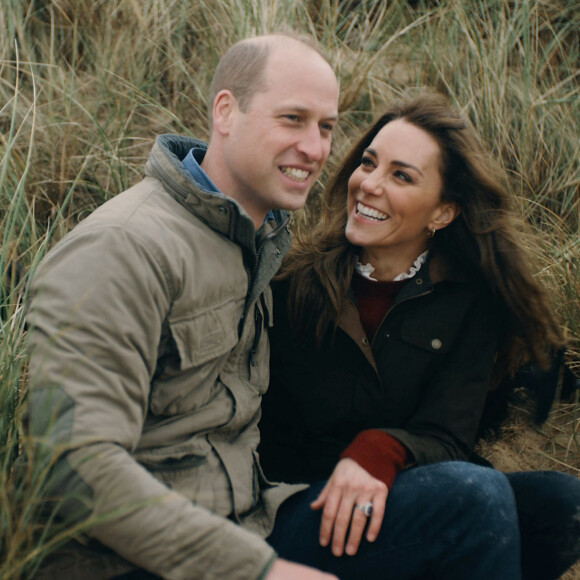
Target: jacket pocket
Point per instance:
(208, 335)
(191, 470)
(174, 464)
(433, 338)
(174, 457)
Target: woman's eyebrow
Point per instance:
(407, 165)
(398, 163)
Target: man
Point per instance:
(148, 334)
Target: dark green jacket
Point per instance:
(423, 379)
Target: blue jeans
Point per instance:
(447, 520)
(451, 520)
(548, 504)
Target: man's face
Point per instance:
(275, 150)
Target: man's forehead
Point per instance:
(290, 49)
(300, 67)
(298, 79)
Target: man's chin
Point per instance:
(289, 201)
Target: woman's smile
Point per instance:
(370, 212)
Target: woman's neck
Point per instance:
(388, 264)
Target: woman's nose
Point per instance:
(371, 185)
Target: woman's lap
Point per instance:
(451, 520)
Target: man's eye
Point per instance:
(292, 117)
(327, 127)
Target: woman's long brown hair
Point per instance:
(484, 240)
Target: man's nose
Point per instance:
(313, 145)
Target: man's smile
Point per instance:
(295, 173)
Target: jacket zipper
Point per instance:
(258, 318)
(273, 234)
(393, 306)
(257, 335)
(385, 317)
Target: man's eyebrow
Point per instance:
(396, 162)
(301, 109)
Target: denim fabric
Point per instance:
(448, 520)
(451, 520)
(548, 504)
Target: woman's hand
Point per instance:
(350, 485)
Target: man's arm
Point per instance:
(98, 305)
(284, 570)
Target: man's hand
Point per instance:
(350, 485)
(284, 570)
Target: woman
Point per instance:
(394, 315)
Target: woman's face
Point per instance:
(394, 196)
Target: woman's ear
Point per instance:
(224, 108)
(444, 215)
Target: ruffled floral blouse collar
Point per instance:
(367, 269)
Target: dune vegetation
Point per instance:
(86, 86)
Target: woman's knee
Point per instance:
(461, 489)
(474, 483)
(459, 504)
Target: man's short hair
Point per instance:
(241, 69)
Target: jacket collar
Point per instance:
(436, 270)
(223, 214)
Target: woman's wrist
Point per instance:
(379, 453)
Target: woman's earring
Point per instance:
(431, 233)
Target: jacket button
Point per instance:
(365, 341)
(436, 344)
(222, 209)
(419, 281)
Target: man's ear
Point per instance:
(224, 107)
(444, 215)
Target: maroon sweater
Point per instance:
(380, 454)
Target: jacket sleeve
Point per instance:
(378, 453)
(444, 424)
(95, 318)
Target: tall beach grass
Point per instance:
(86, 86)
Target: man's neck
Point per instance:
(212, 166)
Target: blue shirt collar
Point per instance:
(192, 161)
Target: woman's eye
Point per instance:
(403, 176)
(367, 162)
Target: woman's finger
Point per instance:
(342, 521)
(358, 524)
(347, 485)
(332, 501)
(319, 502)
(376, 519)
